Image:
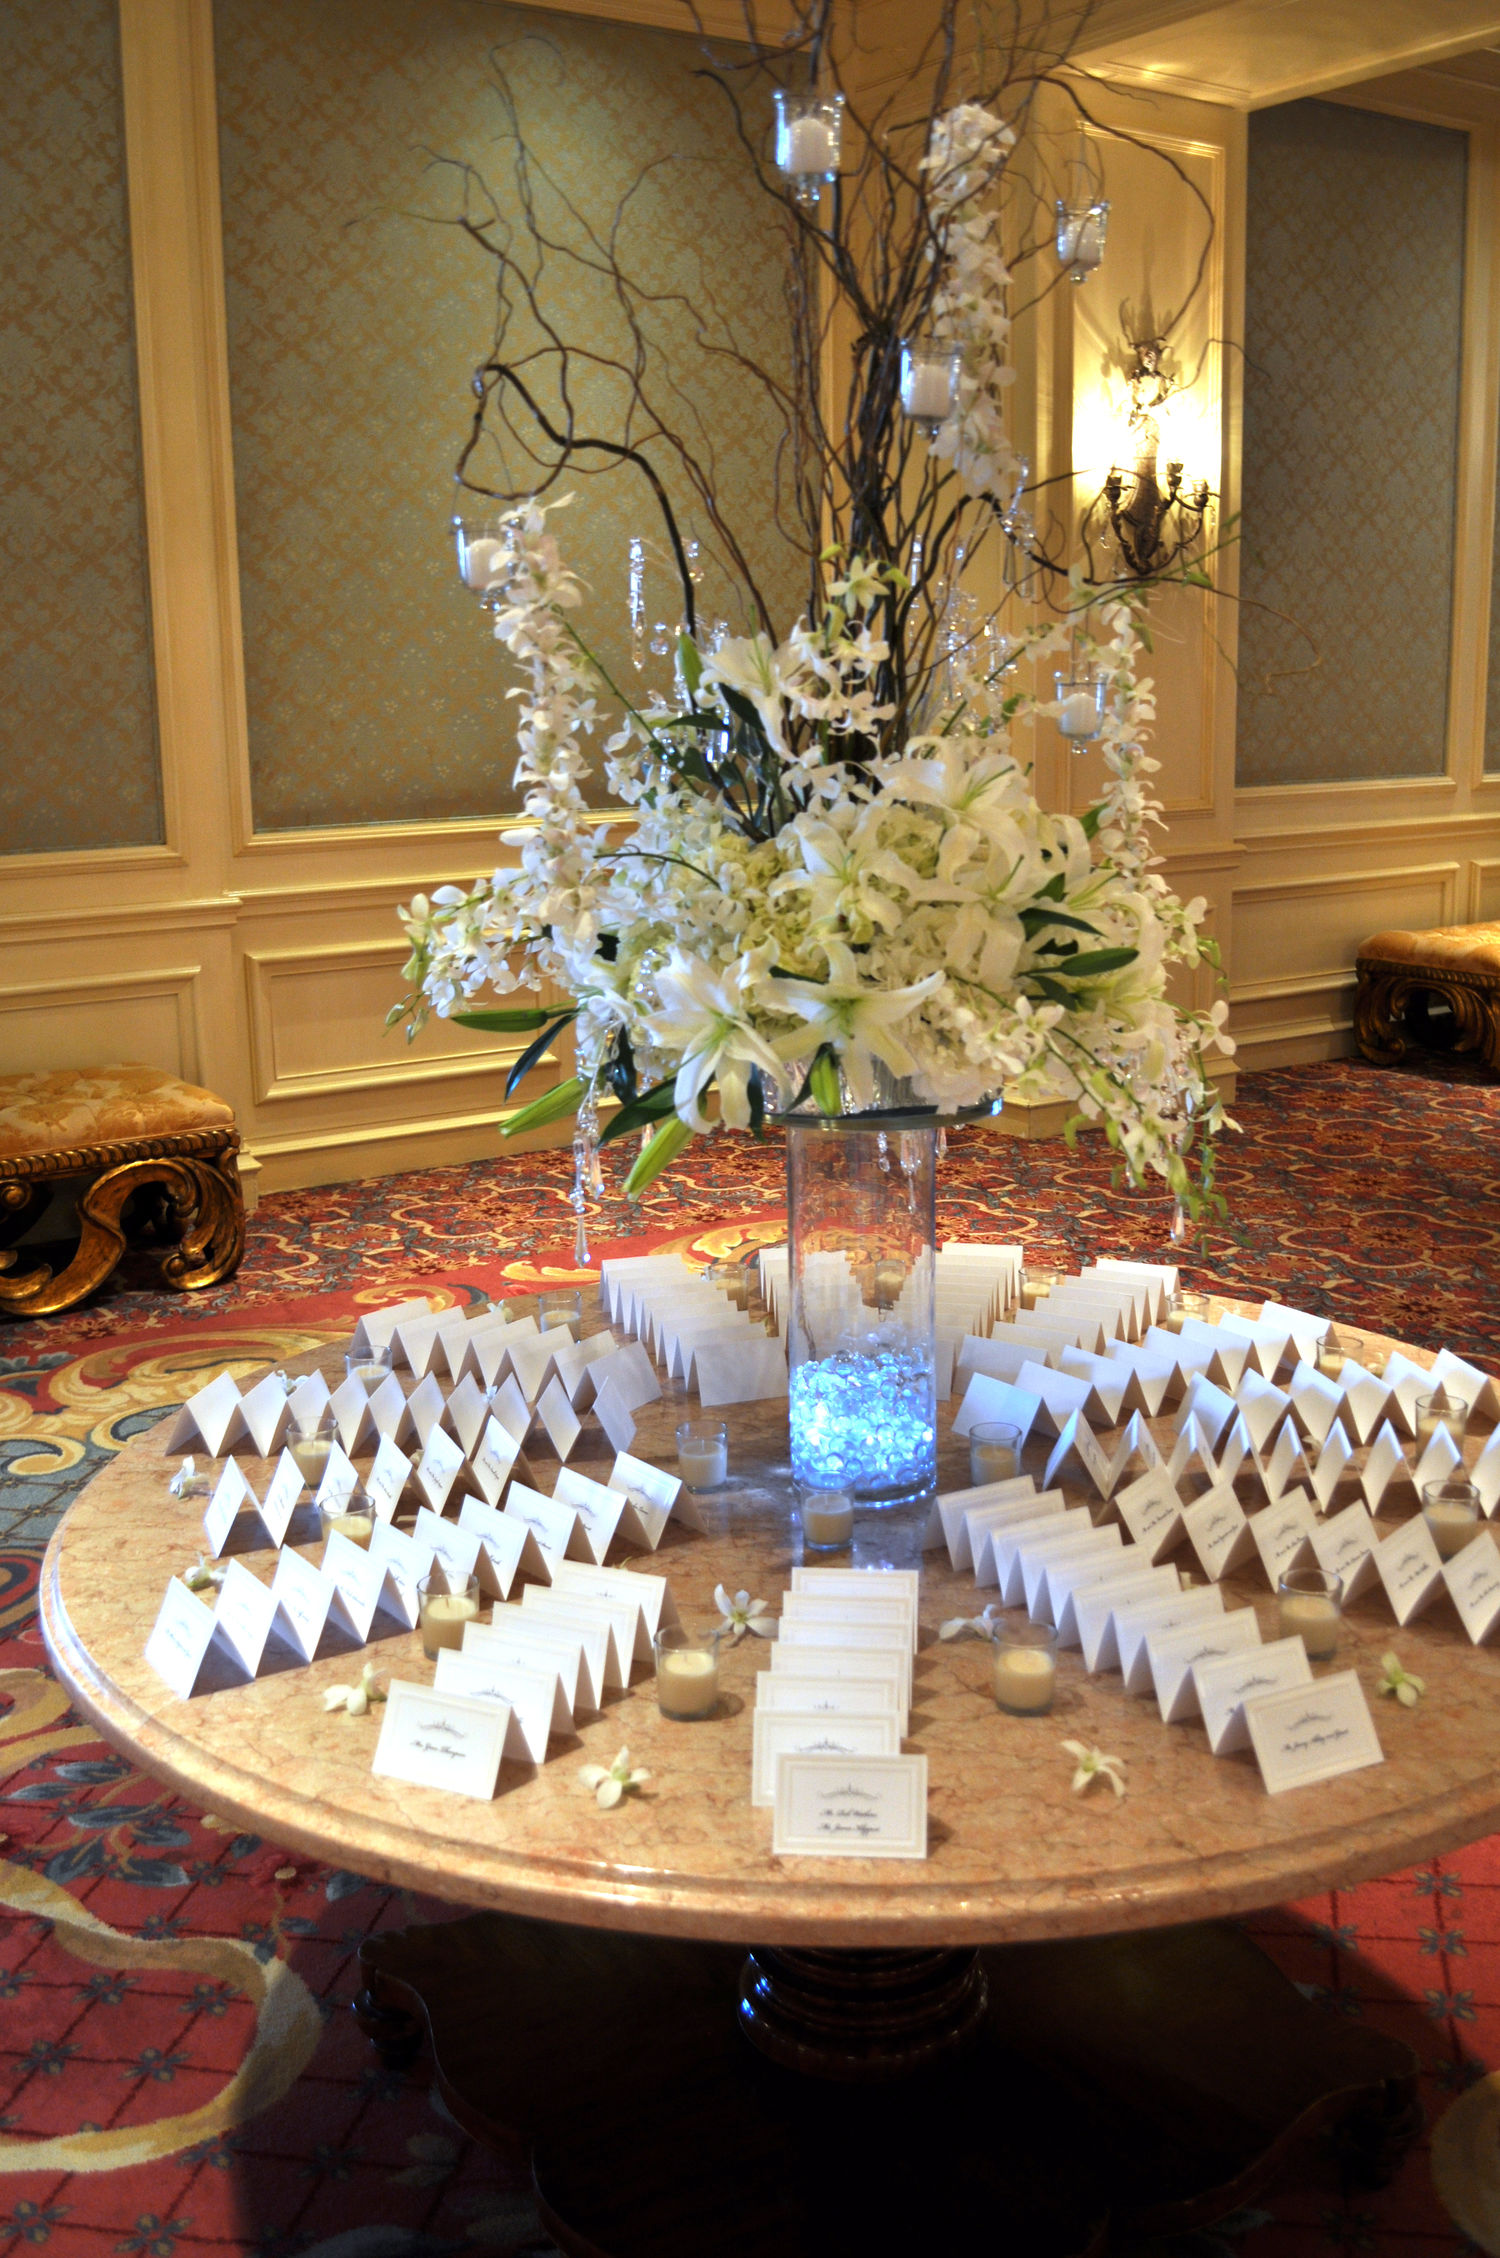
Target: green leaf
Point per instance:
(534, 1052)
(823, 1080)
(666, 1143)
(690, 662)
(1094, 961)
(1052, 891)
(1090, 820)
(1144, 633)
(1052, 991)
(639, 1113)
(1038, 920)
(517, 1022)
(564, 1099)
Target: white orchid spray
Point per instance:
(741, 1613)
(610, 1782)
(833, 877)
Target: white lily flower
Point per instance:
(1092, 1764)
(703, 1017)
(751, 665)
(742, 1614)
(854, 1019)
(611, 1781)
(357, 1698)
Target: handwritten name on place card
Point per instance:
(441, 1740)
(1313, 1732)
(850, 1807)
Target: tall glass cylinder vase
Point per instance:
(861, 1347)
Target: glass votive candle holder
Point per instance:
(1309, 1605)
(703, 1453)
(687, 1672)
(356, 1522)
(1185, 1306)
(369, 1367)
(1440, 1410)
(827, 1520)
(1332, 1356)
(311, 1445)
(1451, 1510)
(1036, 1285)
(448, 1606)
(994, 1452)
(1025, 1668)
(563, 1306)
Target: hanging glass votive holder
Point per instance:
(483, 543)
(929, 381)
(1081, 232)
(809, 138)
(1081, 700)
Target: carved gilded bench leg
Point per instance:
(204, 1196)
(1379, 1014)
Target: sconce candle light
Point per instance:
(1155, 520)
(929, 382)
(809, 137)
(1081, 702)
(1081, 232)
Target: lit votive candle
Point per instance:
(1183, 1306)
(564, 1307)
(1035, 1286)
(447, 1609)
(370, 1367)
(1332, 1356)
(1309, 1605)
(1440, 1410)
(827, 1520)
(994, 1452)
(687, 1673)
(1451, 1511)
(703, 1453)
(358, 1527)
(1025, 1669)
(310, 1448)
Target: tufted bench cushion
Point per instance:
(1398, 973)
(130, 1130)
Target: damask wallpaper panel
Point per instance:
(375, 690)
(78, 757)
(1353, 337)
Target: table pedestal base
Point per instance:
(861, 2017)
(1127, 2085)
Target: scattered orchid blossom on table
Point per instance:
(187, 1480)
(1092, 1764)
(609, 1782)
(203, 1574)
(1404, 1684)
(981, 1626)
(742, 1614)
(355, 1699)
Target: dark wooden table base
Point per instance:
(1119, 2085)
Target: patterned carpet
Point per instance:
(177, 2074)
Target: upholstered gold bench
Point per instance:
(1399, 975)
(128, 1130)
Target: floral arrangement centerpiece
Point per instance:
(831, 890)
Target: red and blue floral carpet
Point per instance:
(179, 2074)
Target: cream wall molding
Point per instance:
(111, 918)
(99, 1006)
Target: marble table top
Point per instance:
(1014, 1853)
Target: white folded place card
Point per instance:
(1152, 1511)
(826, 1697)
(886, 1665)
(1135, 1621)
(1219, 1531)
(359, 1579)
(1475, 1388)
(859, 1581)
(1210, 1406)
(1076, 1451)
(1362, 1400)
(1312, 1733)
(1410, 1568)
(850, 1807)
(656, 1496)
(230, 1492)
(628, 1370)
(1473, 1580)
(997, 1540)
(746, 1371)
(1108, 1385)
(603, 1513)
(608, 1641)
(309, 1605)
(1093, 1607)
(1192, 1454)
(451, 1548)
(779, 1734)
(387, 1479)
(997, 1402)
(856, 1632)
(514, 1636)
(211, 1418)
(496, 1459)
(1283, 1535)
(1229, 1360)
(1345, 1547)
(533, 1697)
(433, 1739)
(884, 1608)
(439, 1466)
(1036, 1562)
(1263, 1407)
(1485, 1475)
(1176, 1654)
(1334, 1461)
(1441, 1458)
(425, 1407)
(562, 1424)
(527, 1362)
(267, 1415)
(376, 1328)
(1385, 1463)
(506, 1547)
(1070, 1579)
(339, 1482)
(650, 1596)
(1225, 1684)
(403, 1564)
(961, 1513)
(180, 1638)
(1154, 1376)
(554, 1524)
(1056, 1393)
(389, 1412)
(244, 1615)
(614, 1415)
(350, 1406)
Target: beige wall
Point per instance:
(263, 961)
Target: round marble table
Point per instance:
(1015, 1857)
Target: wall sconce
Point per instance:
(1082, 218)
(1154, 516)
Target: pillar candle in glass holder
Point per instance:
(929, 381)
(994, 1452)
(447, 1609)
(369, 1367)
(827, 1520)
(687, 1672)
(310, 1447)
(1025, 1668)
(703, 1453)
(1309, 1607)
(1440, 1410)
(1451, 1511)
(563, 1307)
(358, 1527)
(1183, 1306)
